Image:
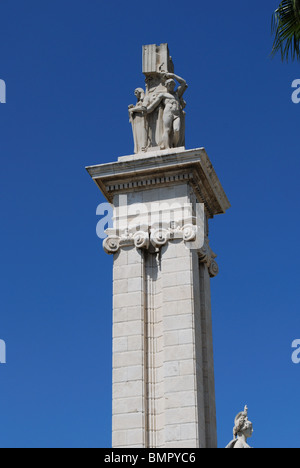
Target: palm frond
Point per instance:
(286, 27)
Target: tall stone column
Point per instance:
(163, 368)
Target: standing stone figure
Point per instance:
(138, 120)
(173, 115)
(242, 430)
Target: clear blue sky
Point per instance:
(71, 67)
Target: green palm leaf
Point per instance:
(286, 27)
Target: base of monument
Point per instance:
(152, 153)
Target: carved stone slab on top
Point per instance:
(157, 59)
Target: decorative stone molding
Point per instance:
(206, 255)
(163, 168)
(150, 181)
(111, 244)
(189, 233)
(141, 240)
(114, 242)
(158, 237)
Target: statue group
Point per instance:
(158, 117)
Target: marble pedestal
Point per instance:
(163, 368)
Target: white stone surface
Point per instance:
(150, 154)
(163, 370)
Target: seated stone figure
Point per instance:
(242, 430)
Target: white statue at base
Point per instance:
(243, 429)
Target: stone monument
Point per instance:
(163, 367)
(243, 429)
(158, 118)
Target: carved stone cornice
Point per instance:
(163, 168)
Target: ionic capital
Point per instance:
(208, 257)
(142, 239)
